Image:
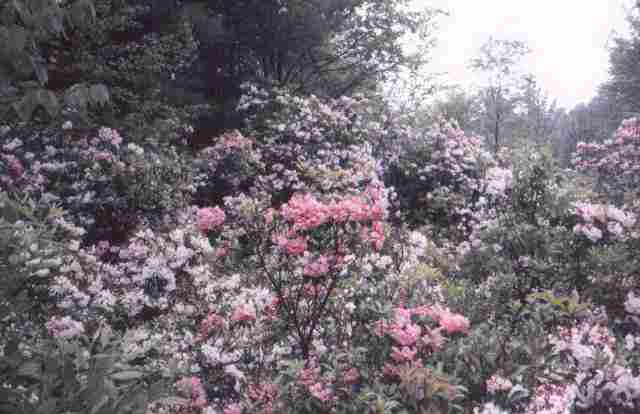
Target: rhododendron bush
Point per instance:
(615, 162)
(322, 259)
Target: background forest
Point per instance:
(242, 206)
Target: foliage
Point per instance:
(498, 60)
(332, 48)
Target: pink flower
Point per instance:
(241, 313)
(269, 215)
(407, 335)
(453, 322)
(356, 208)
(305, 212)
(404, 354)
(233, 409)
(209, 218)
(497, 383)
(317, 267)
(111, 135)
(211, 323)
(64, 327)
(14, 165)
(103, 247)
(295, 247)
(433, 338)
(235, 139)
(320, 392)
(220, 251)
(192, 387)
(379, 328)
(375, 236)
(425, 310)
(351, 376)
(402, 316)
(103, 156)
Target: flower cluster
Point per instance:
(616, 161)
(210, 218)
(596, 221)
(65, 328)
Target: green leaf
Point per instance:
(30, 370)
(103, 401)
(82, 14)
(99, 95)
(11, 347)
(49, 102)
(25, 107)
(47, 407)
(127, 375)
(13, 40)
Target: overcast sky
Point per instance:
(568, 39)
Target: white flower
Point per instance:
(592, 233)
(629, 342)
(67, 125)
(632, 305)
(626, 219)
(489, 408)
(136, 149)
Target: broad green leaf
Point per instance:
(31, 370)
(49, 102)
(99, 95)
(127, 375)
(82, 14)
(47, 407)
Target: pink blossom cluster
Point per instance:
(305, 212)
(317, 267)
(110, 135)
(264, 394)
(309, 377)
(65, 327)
(243, 313)
(375, 235)
(615, 159)
(551, 399)
(576, 338)
(449, 321)
(14, 166)
(598, 220)
(295, 246)
(209, 218)
(193, 389)
(234, 140)
(351, 376)
(210, 324)
(233, 408)
(410, 337)
(497, 384)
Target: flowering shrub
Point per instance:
(312, 263)
(440, 176)
(108, 186)
(615, 162)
